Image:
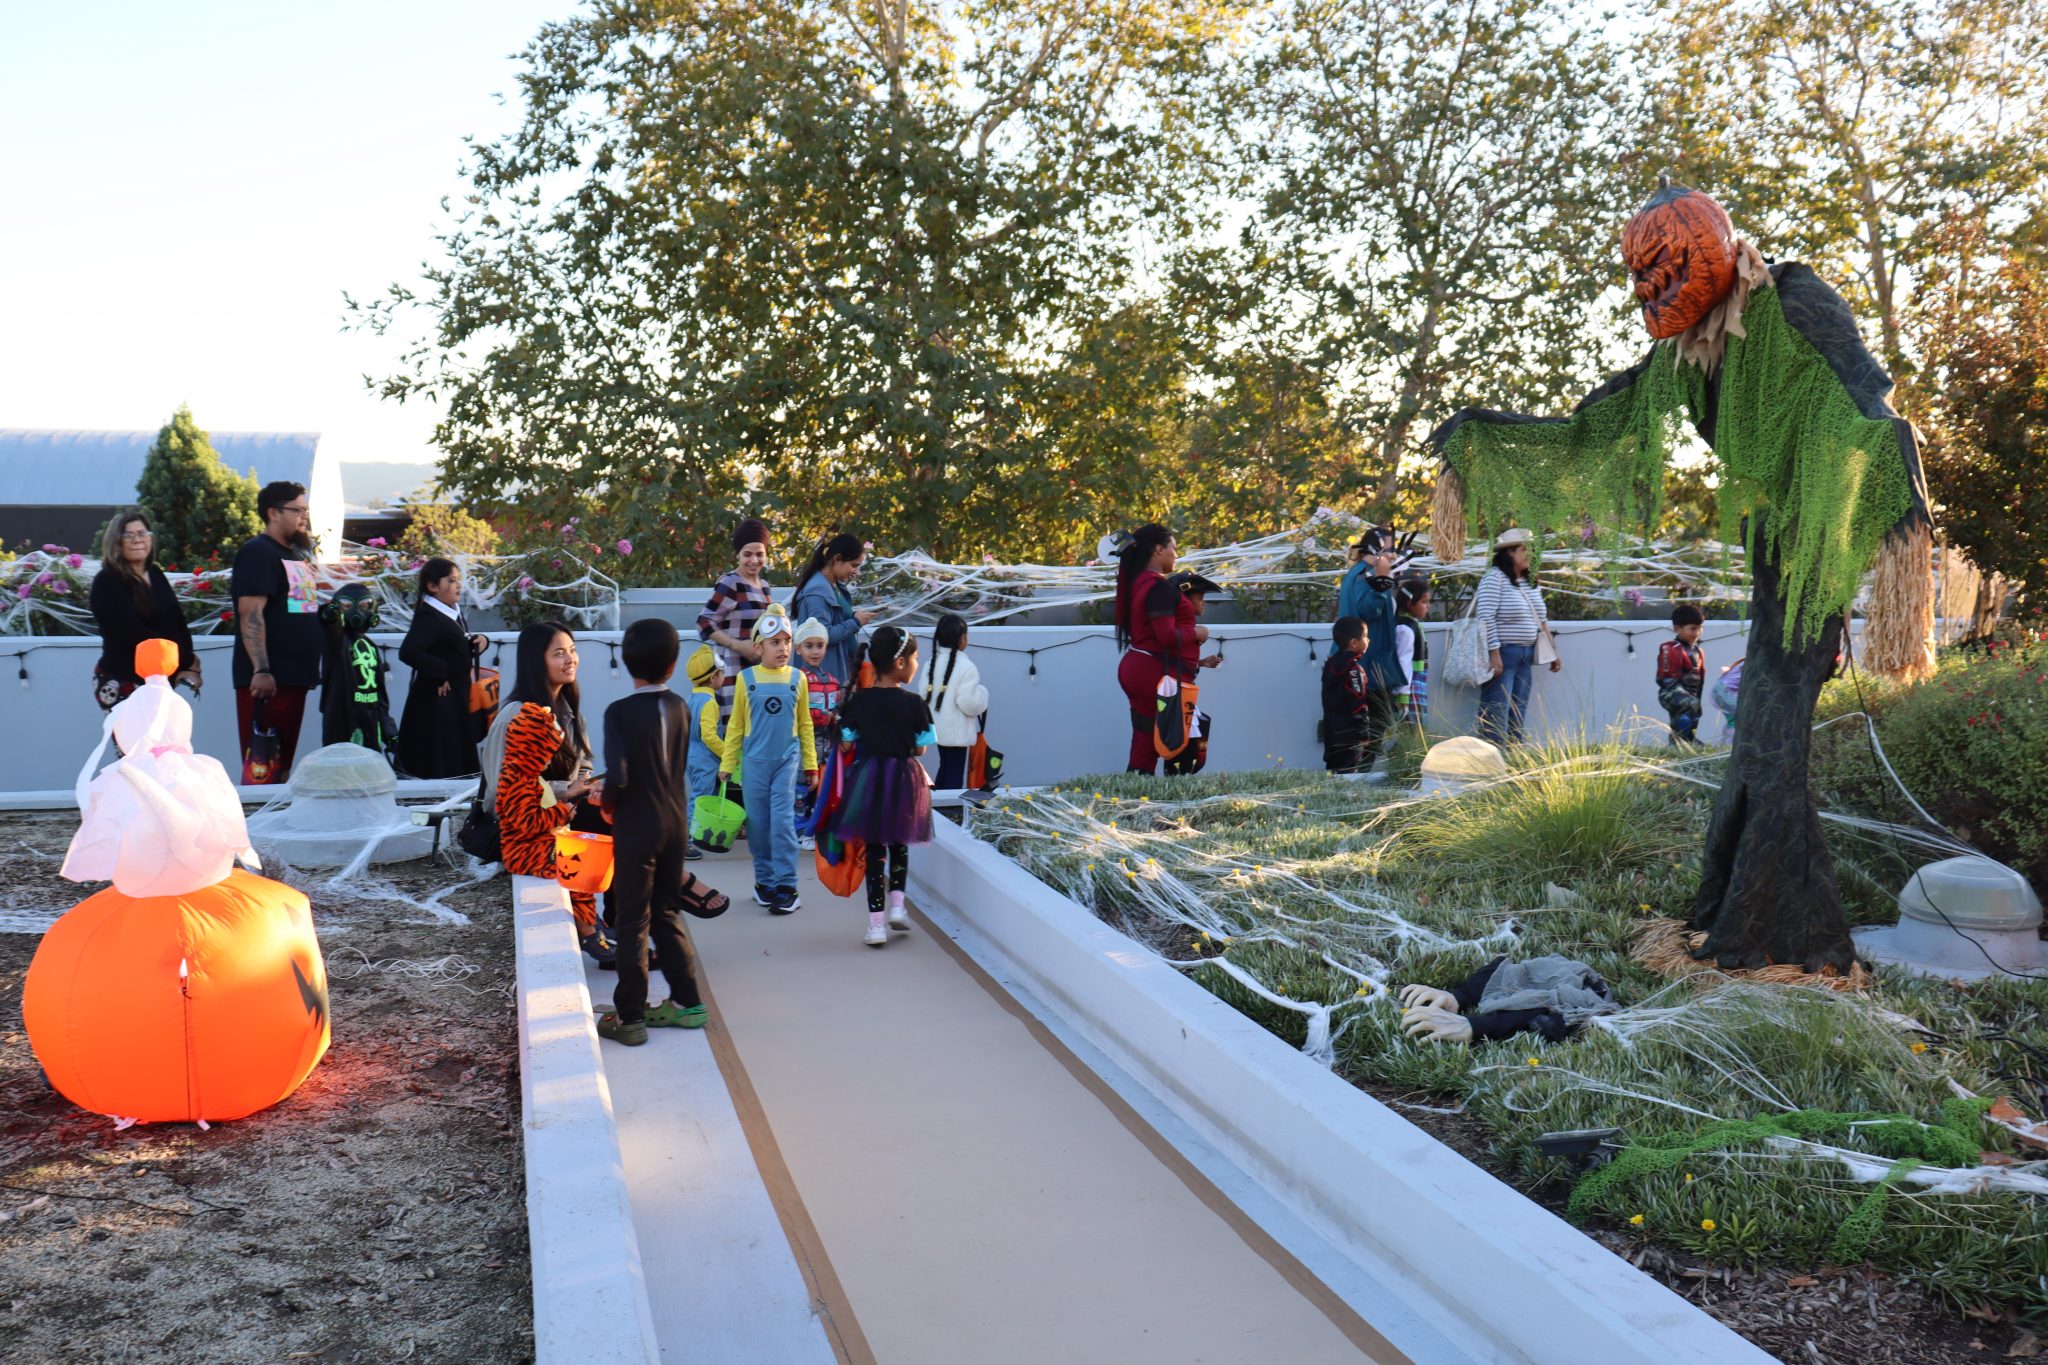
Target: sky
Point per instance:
(187, 190)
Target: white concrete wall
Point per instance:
(1068, 720)
(1492, 1273)
(589, 1291)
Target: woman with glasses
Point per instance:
(132, 601)
(821, 595)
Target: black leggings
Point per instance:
(891, 865)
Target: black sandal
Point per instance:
(704, 901)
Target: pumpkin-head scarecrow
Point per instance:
(1820, 479)
(190, 989)
(1680, 251)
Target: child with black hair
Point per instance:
(646, 795)
(1346, 692)
(887, 804)
(958, 701)
(1411, 648)
(1682, 674)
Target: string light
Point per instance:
(1034, 664)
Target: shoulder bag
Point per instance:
(1467, 662)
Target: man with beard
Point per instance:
(278, 636)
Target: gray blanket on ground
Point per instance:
(1571, 988)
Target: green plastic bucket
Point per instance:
(716, 821)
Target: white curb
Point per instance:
(589, 1295)
(1490, 1270)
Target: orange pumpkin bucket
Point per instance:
(583, 862)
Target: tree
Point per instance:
(1841, 132)
(1987, 367)
(1424, 172)
(808, 260)
(438, 527)
(197, 506)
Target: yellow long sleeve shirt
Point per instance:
(707, 724)
(737, 728)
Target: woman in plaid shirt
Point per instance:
(737, 601)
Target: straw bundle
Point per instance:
(1899, 628)
(1666, 946)
(1447, 515)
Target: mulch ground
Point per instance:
(377, 1214)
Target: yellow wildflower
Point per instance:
(1706, 1225)
(1919, 1047)
(1637, 1221)
(1688, 1177)
(1535, 1061)
(1645, 906)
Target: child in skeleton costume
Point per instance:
(354, 703)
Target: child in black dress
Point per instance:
(887, 805)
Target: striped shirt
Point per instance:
(733, 607)
(1510, 611)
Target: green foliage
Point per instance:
(442, 528)
(1841, 134)
(199, 508)
(813, 261)
(1819, 483)
(1970, 743)
(1424, 173)
(1579, 815)
(1986, 347)
(1293, 863)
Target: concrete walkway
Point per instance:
(949, 1182)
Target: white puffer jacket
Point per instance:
(957, 702)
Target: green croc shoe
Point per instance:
(668, 1014)
(619, 1031)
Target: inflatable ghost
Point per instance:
(190, 989)
(162, 820)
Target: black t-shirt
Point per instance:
(886, 722)
(291, 616)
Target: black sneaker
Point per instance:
(692, 853)
(763, 896)
(785, 900)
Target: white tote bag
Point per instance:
(1467, 661)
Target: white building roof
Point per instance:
(100, 468)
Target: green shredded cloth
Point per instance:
(1821, 483)
(1952, 1142)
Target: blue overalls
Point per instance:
(703, 763)
(770, 758)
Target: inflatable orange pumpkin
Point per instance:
(583, 862)
(207, 1005)
(1680, 253)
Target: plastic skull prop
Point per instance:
(1680, 253)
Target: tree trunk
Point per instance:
(1767, 884)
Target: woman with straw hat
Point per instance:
(1517, 624)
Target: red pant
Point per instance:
(285, 713)
(1139, 675)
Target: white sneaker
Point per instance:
(877, 936)
(806, 842)
(899, 919)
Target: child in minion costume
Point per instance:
(707, 739)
